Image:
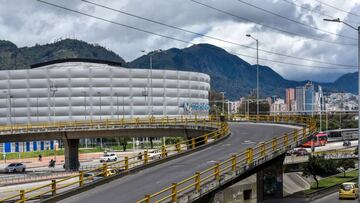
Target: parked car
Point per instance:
(346, 143)
(108, 157)
(15, 167)
(301, 152)
(349, 190)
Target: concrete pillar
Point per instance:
(71, 154)
(270, 181)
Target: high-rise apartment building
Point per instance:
(289, 98)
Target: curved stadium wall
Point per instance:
(69, 91)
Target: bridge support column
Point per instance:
(270, 181)
(71, 154)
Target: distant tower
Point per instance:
(309, 97)
(289, 98)
(300, 98)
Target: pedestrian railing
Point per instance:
(55, 187)
(202, 182)
(103, 124)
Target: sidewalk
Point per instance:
(85, 157)
(35, 163)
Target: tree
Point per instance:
(345, 164)
(123, 142)
(319, 167)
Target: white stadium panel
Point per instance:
(84, 90)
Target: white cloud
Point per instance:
(29, 22)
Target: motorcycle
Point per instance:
(52, 163)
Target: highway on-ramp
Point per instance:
(133, 187)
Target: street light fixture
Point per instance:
(151, 86)
(337, 20)
(53, 89)
(257, 73)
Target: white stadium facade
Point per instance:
(85, 89)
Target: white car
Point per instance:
(15, 167)
(154, 154)
(108, 157)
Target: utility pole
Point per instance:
(257, 73)
(337, 20)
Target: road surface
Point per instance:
(132, 188)
(333, 198)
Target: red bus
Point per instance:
(319, 140)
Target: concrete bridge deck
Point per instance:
(133, 187)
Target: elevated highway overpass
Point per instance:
(245, 158)
(152, 180)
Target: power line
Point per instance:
(294, 21)
(315, 11)
(211, 37)
(336, 8)
(271, 27)
(294, 64)
(172, 38)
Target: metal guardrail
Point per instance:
(101, 124)
(78, 180)
(203, 181)
(33, 177)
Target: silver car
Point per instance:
(15, 167)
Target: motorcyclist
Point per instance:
(52, 163)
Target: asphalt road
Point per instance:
(132, 188)
(333, 198)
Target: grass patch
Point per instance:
(332, 181)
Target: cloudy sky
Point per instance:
(330, 47)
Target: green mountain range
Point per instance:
(228, 72)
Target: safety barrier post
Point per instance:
(147, 198)
(53, 187)
(177, 146)
(146, 157)
(304, 132)
(233, 163)
(249, 155)
(196, 120)
(163, 152)
(22, 196)
(81, 178)
(174, 193)
(286, 140)
(262, 149)
(105, 169)
(206, 137)
(274, 144)
(167, 119)
(197, 181)
(192, 143)
(217, 171)
(126, 159)
(295, 135)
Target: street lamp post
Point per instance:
(85, 104)
(53, 89)
(257, 73)
(99, 93)
(358, 30)
(37, 109)
(151, 86)
(85, 112)
(117, 105)
(123, 108)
